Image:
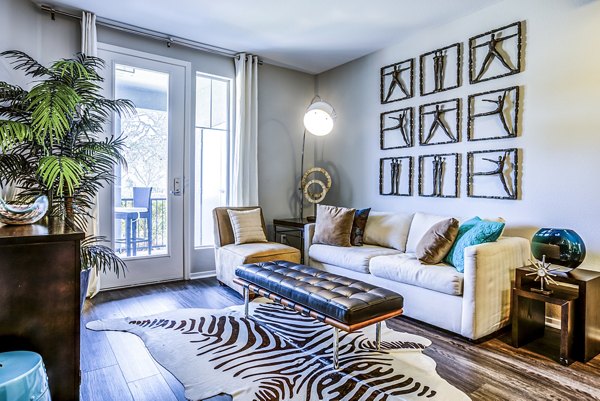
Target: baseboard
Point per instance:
(553, 322)
(210, 273)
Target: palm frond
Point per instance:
(12, 132)
(52, 105)
(60, 172)
(71, 68)
(101, 257)
(22, 61)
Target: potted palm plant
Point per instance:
(52, 143)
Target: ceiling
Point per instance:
(307, 35)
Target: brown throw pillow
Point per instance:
(333, 225)
(437, 241)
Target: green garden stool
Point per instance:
(23, 377)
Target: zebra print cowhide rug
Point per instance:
(279, 355)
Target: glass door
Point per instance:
(143, 214)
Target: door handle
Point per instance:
(177, 189)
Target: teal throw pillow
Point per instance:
(462, 230)
(482, 232)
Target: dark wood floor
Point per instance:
(117, 366)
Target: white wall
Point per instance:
(560, 130)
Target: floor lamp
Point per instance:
(318, 120)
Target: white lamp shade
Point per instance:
(318, 119)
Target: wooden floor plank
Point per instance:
(491, 370)
(106, 384)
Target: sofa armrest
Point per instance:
(309, 232)
(488, 280)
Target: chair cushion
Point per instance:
(421, 223)
(341, 298)
(333, 225)
(406, 268)
(353, 258)
(388, 229)
(260, 252)
(247, 226)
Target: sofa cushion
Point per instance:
(387, 229)
(354, 258)
(333, 225)
(421, 223)
(406, 268)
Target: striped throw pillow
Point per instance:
(247, 226)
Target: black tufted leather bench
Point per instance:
(342, 302)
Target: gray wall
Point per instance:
(283, 96)
(23, 27)
(560, 127)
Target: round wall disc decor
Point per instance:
(307, 184)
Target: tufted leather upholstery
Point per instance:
(343, 299)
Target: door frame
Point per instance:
(106, 196)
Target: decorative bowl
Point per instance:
(558, 246)
(23, 214)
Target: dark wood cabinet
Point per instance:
(39, 299)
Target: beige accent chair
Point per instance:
(228, 255)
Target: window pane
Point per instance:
(203, 93)
(210, 154)
(211, 181)
(140, 201)
(220, 94)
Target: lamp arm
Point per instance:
(301, 173)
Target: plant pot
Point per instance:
(85, 279)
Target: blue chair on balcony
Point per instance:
(141, 209)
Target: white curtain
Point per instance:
(244, 140)
(89, 41)
(89, 46)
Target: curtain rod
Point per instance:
(146, 32)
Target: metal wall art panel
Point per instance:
(397, 129)
(439, 175)
(396, 176)
(493, 114)
(496, 53)
(440, 69)
(439, 122)
(397, 81)
(493, 174)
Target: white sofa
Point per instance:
(473, 304)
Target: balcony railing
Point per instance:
(159, 229)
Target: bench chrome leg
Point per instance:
(246, 301)
(378, 335)
(336, 345)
